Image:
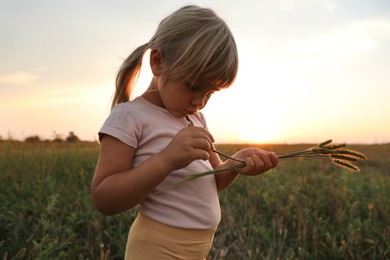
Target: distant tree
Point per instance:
(32, 139)
(72, 138)
(57, 138)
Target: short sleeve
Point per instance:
(123, 124)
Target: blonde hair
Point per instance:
(195, 43)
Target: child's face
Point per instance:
(182, 98)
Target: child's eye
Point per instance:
(193, 88)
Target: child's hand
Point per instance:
(189, 144)
(256, 161)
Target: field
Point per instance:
(304, 209)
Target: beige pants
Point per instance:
(149, 239)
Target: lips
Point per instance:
(191, 112)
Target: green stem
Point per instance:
(227, 156)
(302, 154)
(289, 155)
(306, 153)
(202, 174)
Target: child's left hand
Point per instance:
(257, 161)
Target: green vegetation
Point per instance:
(304, 209)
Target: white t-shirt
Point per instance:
(149, 129)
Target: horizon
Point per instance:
(62, 138)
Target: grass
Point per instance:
(304, 209)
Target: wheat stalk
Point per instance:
(337, 154)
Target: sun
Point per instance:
(257, 134)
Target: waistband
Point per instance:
(198, 234)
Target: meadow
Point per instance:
(303, 209)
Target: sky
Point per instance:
(310, 70)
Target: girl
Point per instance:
(155, 140)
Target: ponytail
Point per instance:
(127, 75)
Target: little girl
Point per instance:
(160, 137)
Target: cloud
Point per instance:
(357, 37)
(342, 44)
(293, 5)
(329, 5)
(18, 78)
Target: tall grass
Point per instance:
(303, 209)
(46, 211)
(308, 209)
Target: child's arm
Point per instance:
(257, 161)
(117, 186)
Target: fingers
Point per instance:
(274, 159)
(189, 144)
(258, 162)
(201, 138)
(197, 142)
(203, 133)
(203, 143)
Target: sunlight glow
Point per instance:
(257, 134)
(308, 70)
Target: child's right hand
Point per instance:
(189, 144)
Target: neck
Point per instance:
(152, 94)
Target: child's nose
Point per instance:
(199, 101)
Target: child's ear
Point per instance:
(156, 61)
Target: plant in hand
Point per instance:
(337, 153)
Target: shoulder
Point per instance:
(124, 123)
(122, 113)
(127, 106)
(130, 110)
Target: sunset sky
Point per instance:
(310, 70)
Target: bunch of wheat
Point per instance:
(337, 153)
